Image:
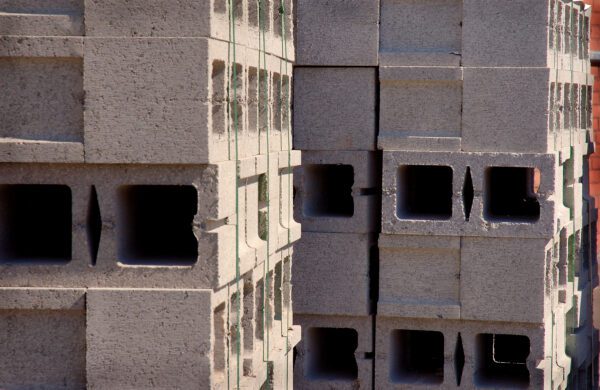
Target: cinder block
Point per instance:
(177, 91)
(42, 338)
(420, 108)
(470, 194)
(192, 19)
(419, 276)
(334, 108)
(334, 352)
(503, 279)
(334, 272)
(494, 121)
(64, 47)
(444, 354)
(337, 191)
(337, 33)
(420, 32)
(37, 18)
(148, 338)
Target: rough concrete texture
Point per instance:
(352, 177)
(335, 108)
(435, 360)
(420, 33)
(420, 105)
(337, 32)
(333, 352)
(334, 270)
(148, 338)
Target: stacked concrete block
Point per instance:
(337, 198)
(146, 232)
(482, 271)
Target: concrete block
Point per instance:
(448, 193)
(177, 91)
(420, 108)
(335, 108)
(337, 191)
(337, 33)
(148, 338)
(43, 99)
(38, 18)
(490, 39)
(42, 339)
(444, 353)
(503, 279)
(334, 270)
(334, 352)
(420, 32)
(64, 47)
(419, 276)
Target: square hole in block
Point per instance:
(417, 356)
(328, 190)
(511, 194)
(42, 349)
(424, 192)
(330, 354)
(42, 99)
(155, 225)
(35, 224)
(501, 360)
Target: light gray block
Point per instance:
(506, 110)
(310, 373)
(337, 33)
(333, 270)
(148, 338)
(420, 32)
(401, 194)
(503, 279)
(42, 339)
(420, 108)
(337, 191)
(334, 108)
(419, 276)
(63, 47)
(393, 375)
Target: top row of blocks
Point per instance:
(156, 18)
(470, 33)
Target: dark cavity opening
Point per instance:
(328, 190)
(424, 192)
(511, 194)
(501, 360)
(155, 225)
(459, 359)
(94, 225)
(417, 356)
(468, 194)
(35, 224)
(331, 354)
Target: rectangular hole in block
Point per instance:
(220, 337)
(285, 103)
(219, 97)
(278, 292)
(260, 310)
(35, 224)
(553, 107)
(248, 326)
(43, 349)
(253, 13)
(155, 225)
(253, 100)
(236, 99)
(552, 28)
(511, 194)
(43, 99)
(238, 9)
(235, 332)
(263, 101)
(263, 223)
(220, 6)
(417, 357)
(424, 192)
(328, 190)
(277, 97)
(501, 360)
(330, 354)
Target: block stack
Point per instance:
(486, 259)
(146, 229)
